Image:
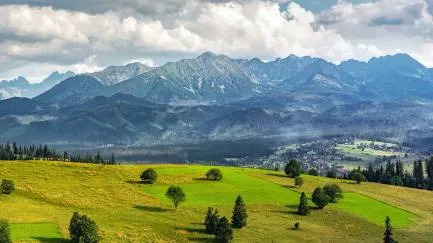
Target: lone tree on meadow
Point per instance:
(320, 198)
(299, 181)
(293, 169)
(334, 192)
(5, 234)
(214, 175)
(83, 229)
(176, 195)
(388, 232)
(239, 218)
(7, 187)
(211, 220)
(149, 176)
(224, 232)
(303, 208)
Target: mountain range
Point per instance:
(215, 97)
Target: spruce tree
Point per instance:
(303, 208)
(224, 232)
(388, 232)
(211, 220)
(239, 218)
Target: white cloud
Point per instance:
(86, 41)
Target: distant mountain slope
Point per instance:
(116, 74)
(71, 91)
(20, 87)
(218, 79)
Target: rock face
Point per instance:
(116, 74)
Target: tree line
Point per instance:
(393, 173)
(12, 151)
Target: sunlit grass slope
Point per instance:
(49, 192)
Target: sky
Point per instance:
(38, 37)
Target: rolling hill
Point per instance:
(49, 192)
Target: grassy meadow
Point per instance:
(47, 193)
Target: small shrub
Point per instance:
(7, 187)
(83, 230)
(331, 174)
(214, 174)
(313, 172)
(299, 181)
(296, 226)
(5, 234)
(149, 176)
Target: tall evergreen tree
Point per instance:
(224, 232)
(239, 218)
(388, 232)
(303, 208)
(211, 220)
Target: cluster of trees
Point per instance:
(394, 174)
(321, 197)
(7, 187)
(82, 229)
(220, 227)
(14, 152)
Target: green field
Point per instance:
(126, 211)
(46, 232)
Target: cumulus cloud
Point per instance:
(88, 35)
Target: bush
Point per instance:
(334, 192)
(5, 234)
(176, 195)
(83, 230)
(299, 181)
(293, 169)
(296, 226)
(214, 174)
(224, 232)
(149, 176)
(331, 174)
(7, 187)
(313, 172)
(320, 198)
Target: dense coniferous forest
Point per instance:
(13, 151)
(395, 174)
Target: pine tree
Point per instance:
(303, 208)
(224, 232)
(239, 218)
(211, 220)
(388, 232)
